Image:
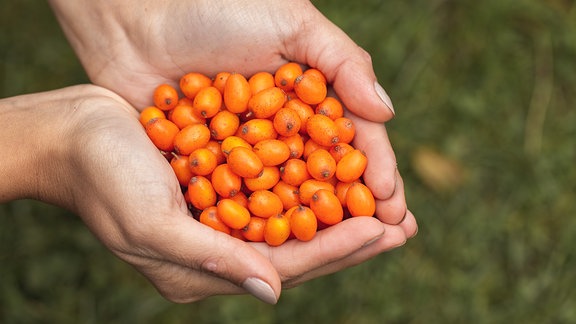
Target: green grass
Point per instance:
(486, 85)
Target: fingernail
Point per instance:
(260, 290)
(384, 96)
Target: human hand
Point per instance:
(140, 45)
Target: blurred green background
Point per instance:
(484, 134)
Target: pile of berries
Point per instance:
(266, 158)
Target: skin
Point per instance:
(110, 174)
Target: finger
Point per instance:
(393, 210)
(380, 174)
(186, 243)
(347, 67)
(409, 225)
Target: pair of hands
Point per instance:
(115, 179)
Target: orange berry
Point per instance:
(339, 150)
(309, 187)
(321, 165)
(288, 194)
(310, 146)
(224, 124)
(202, 161)
(225, 182)
(346, 129)
(322, 130)
(201, 193)
(165, 97)
(294, 172)
(219, 81)
(256, 130)
(326, 205)
(272, 152)
(303, 223)
(216, 148)
(254, 231)
(269, 176)
(231, 142)
(341, 190)
(330, 107)
(267, 102)
(240, 198)
(277, 230)
(260, 81)
(237, 93)
(209, 217)
(162, 132)
(207, 102)
(183, 115)
(264, 203)
(287, 122)
(309, 89)
(316, 73)
(360, 200)
(303, 110)
(351, 166)
(295, 145)
(179, 164)
(191, 138)
(244, 162)
(286, 74)
(149, 113)
(192, 82)
(232, 213)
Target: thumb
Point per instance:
(197, 260)
(346, 65)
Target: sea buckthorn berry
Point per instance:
(209, 217)
(267, 102)
(165, 97)
(341, 190)
(225, 182)
(237, 93)
(287, 122)
(360, 200)
(254, 231)
(256, 130)
(260, 81)
(303, 223)
(277, 230)
(322, 130)
(351, 166)
(269, 177)
(264, 203)
(183, 115)
(233, 214)
(179, 164)
(216, 148)
(286, 74)
(219, 81)
(288, 194)
(295, 145)
(207, 102)
(316, 73)
(294, 172)
(310, 186)
(240, 198)
(192, 82)
(310, 90)
(321, 165)
(201, 193)
(303, 110)
(150, 113)
(330, 107)
(202, 161)
(224, 124)
(191, 138)
(244, 162)
(310, 146)
(272, 152)
(339, 150)
(326, 206)
(162, 132)
(231, 142)
(346, 129)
